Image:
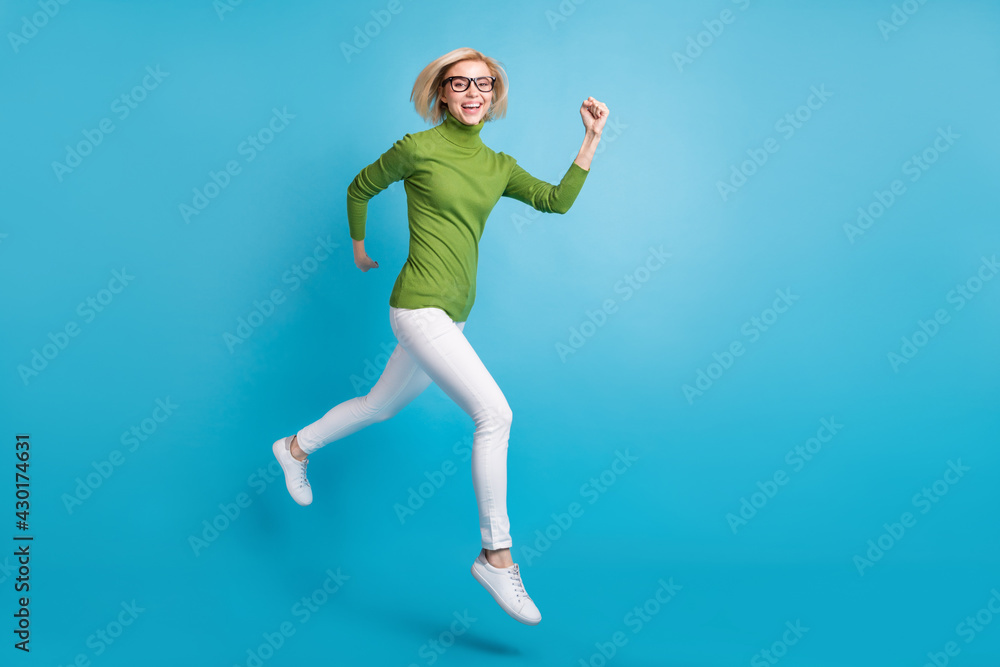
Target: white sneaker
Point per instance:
(295, 471)
(505, 585)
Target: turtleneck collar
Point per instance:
(459, 133)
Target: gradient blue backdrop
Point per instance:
(677, 129)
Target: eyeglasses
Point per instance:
(461, 83)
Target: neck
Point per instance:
(459, 133)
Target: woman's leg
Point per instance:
(439, 346)
(401, 381)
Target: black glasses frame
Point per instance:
(470, 81)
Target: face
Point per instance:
(470, 96)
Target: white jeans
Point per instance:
(432, 347)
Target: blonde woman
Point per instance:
(452, 182)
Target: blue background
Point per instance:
(675, 132)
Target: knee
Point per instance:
(505, 416)
(496, 418)
(374, 411)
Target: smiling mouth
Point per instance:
(472, 107)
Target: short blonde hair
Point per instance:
(426, 94)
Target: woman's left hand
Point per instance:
(594, 114)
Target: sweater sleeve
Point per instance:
(393, 165)
(543, 196)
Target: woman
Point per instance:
(452, 182)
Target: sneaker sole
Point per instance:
(500, 601)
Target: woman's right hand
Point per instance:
(365, 262)
(361, 258)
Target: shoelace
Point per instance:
(515, 576)
(303, 481)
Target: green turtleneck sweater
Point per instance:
(452, 182)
